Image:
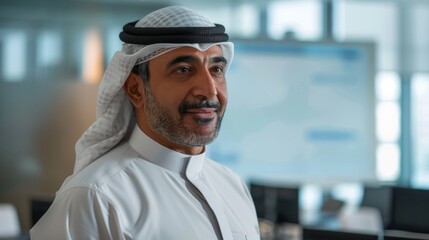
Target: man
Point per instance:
(140, 171)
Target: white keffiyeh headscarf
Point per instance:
(115, 117)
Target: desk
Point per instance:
(326, 234)
(404, 235)
(333, 227)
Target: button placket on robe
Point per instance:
(193, 171)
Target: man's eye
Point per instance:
(183, 70)
(218, 69)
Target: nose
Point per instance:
(204, 85)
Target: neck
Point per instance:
(189, 150)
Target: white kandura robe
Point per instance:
(142, 190)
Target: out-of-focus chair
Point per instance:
(9, 221)
(380, 198)
(362, 219)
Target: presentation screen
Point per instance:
(299, 112)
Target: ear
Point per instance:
(134, 88)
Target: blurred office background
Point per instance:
(53, 54)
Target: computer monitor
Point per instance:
(279, 204)
(300, 112)
(287, 205)
(39, 206)
(330, 234)
(410, 209)
(257, 192)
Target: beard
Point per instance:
(176, 130)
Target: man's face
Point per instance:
(186, 97)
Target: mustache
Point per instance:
(202, 104)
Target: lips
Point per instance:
(202, 110)
(204, 113)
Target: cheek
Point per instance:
(222, 94)
(161, 98)
(171, 100)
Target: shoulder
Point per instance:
(80, 213)
(102, 170)
(97, 195)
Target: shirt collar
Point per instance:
(164, 157)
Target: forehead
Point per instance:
(213, 51)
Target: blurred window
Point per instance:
(49, 48)
(240, 20)
(13, 51)
(388, 130)
(388, 161)
(380, 24)
(420, 129)
(246, 21)
(419, 37)
(112, 42)
(298, 19)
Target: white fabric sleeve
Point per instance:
(80, 213)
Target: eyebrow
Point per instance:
(218, 60)
(190, 59)
(181, 59)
